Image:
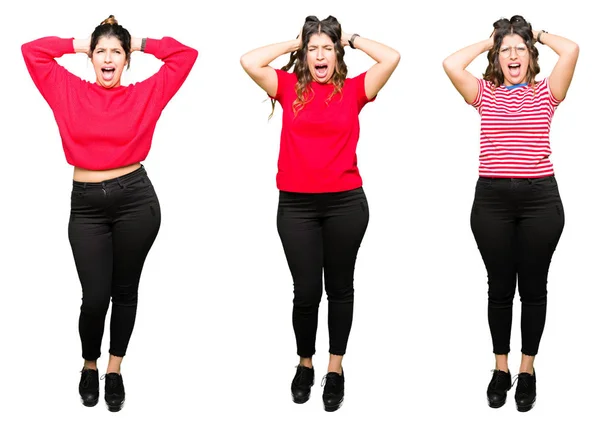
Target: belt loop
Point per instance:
(84, 185)
(119, 182)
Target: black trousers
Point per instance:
(112, 227)
(517, 224)
(321, 234)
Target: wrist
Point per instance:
(81, 46)
(295, 45)
(137, 44)
(539, 36)
(352, 39)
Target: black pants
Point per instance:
(321, 234)
(112, 227)
(517, 224)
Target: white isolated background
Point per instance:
(213, 343)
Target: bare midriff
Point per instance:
(85, 175)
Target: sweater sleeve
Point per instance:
(49, 77)
(178, 62)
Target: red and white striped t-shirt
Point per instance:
(515, 130)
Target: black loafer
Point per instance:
(333, 392)
(301, 384)
(89, 387)
(526, 392)
(499, 385)
(114, 392)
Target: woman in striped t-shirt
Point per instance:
(517, 215)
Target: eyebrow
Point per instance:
(323, 45)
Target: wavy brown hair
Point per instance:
(502, 28)
(312, 25)
(111, 28)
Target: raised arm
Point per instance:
(178, 62)
(562, 73)
(256, 63)
(48, 76)
(387, 60)
(456, 65)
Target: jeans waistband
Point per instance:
(550, 178)
(121, 181)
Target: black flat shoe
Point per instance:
(333, 392)
(114, 392)
(499, 385)
(89, 387)
(526, 393)
(301, 384)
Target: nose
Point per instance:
(107, 58)
(320, 53)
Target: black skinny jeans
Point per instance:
(517, 224)
(321, 234)
(112, 227)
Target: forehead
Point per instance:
(109, 42)
(320, 39)
(512, 40)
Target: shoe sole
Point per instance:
(115, 408)
(333, 408)
(525, 408)
(89, 404)
(300, 400)
(496, 405)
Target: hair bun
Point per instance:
(502, 23)
(110, 21)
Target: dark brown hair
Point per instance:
(111, 28)
(503, 27)
(312, 25)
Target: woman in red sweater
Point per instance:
(106, 131)
(323, 212)
(517, 217)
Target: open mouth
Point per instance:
(321, 71)
(514, 69)
(108, 73)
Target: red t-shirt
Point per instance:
(106, 128)
(317, 152)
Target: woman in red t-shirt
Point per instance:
(106, 131)
(323, 212)
(517, 216)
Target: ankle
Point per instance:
(90, 366)
(307, 363)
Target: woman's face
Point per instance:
(514, 59)
(321, 58)
(109, 59)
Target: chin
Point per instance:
(107, 85)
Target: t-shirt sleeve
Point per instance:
(359, 87)
(545, 86)
(482, 84)
(286, 83)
